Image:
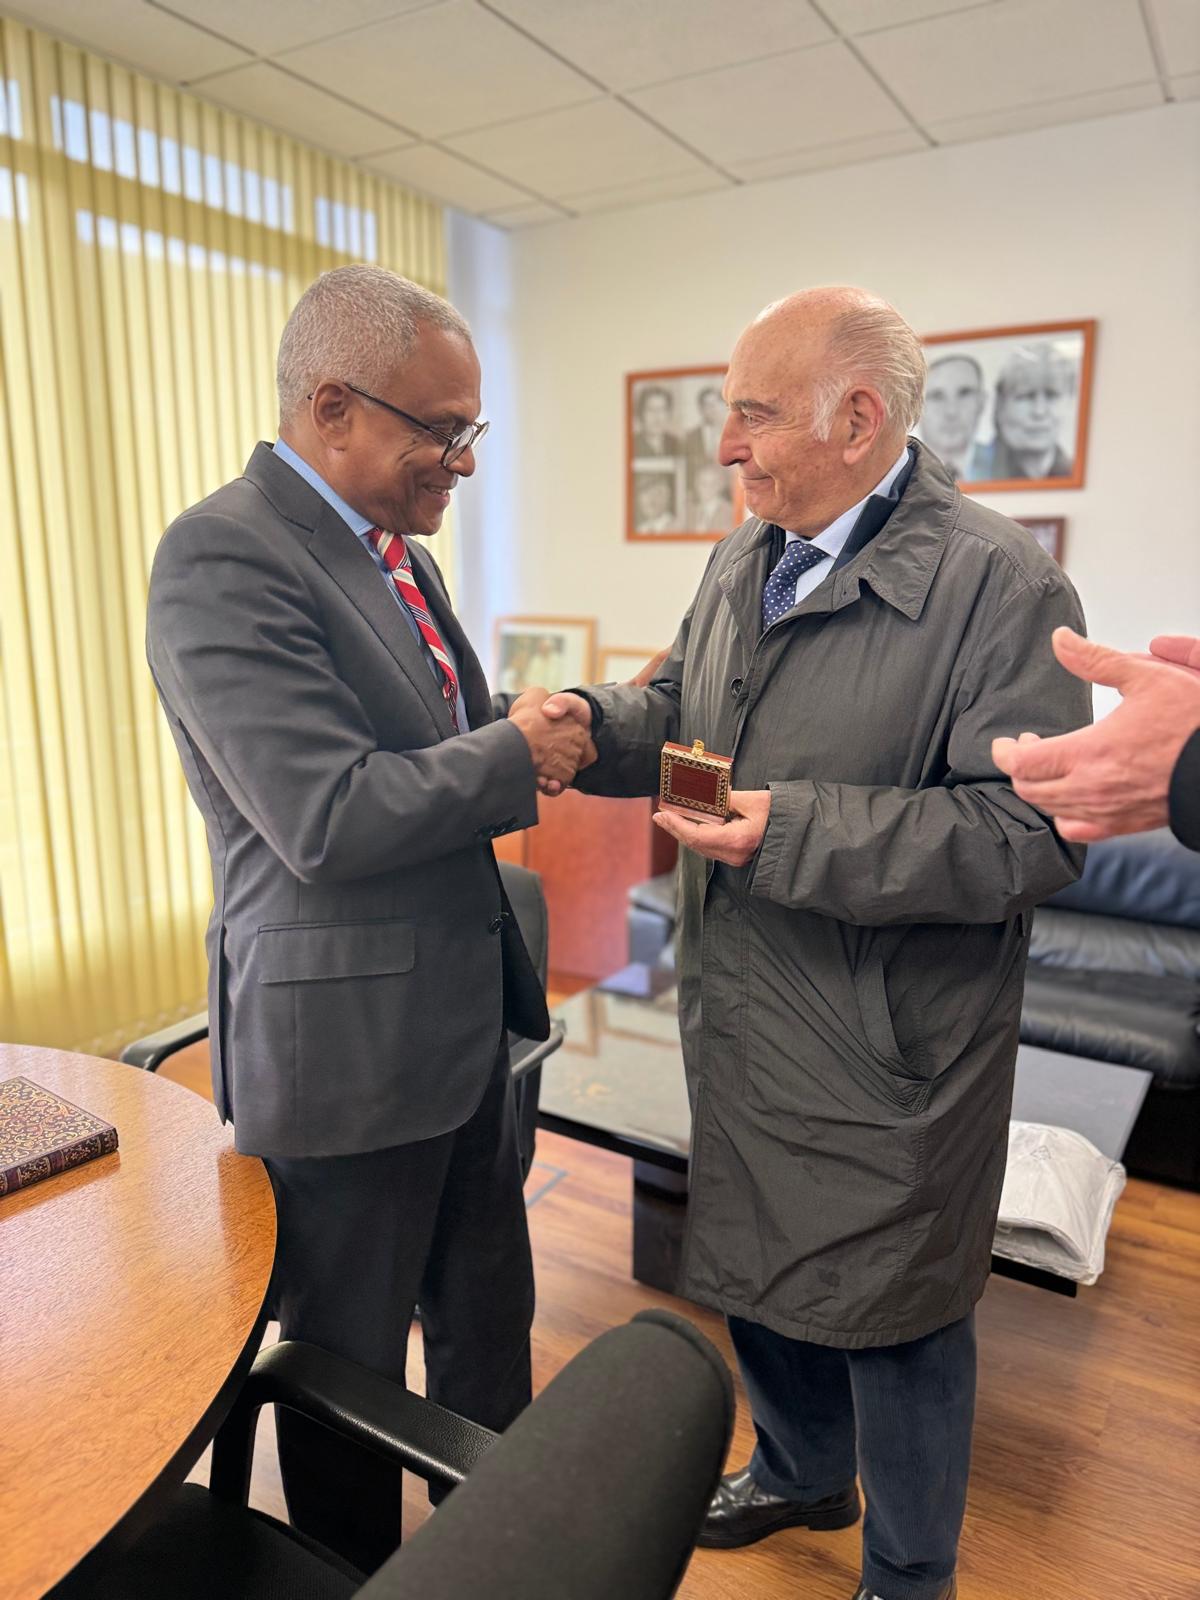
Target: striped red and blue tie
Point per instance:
(395, 555)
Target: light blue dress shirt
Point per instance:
(362, 529)
(833, 538)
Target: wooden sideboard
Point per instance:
(590, 851)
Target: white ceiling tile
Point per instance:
(1177, 24)
(846, 153)
(582, 148)
(990, 124)
(135, 33)
(446, 178)
(645, 191)
(267, 26)
(276, 98)
(1186, 88)
(868, 16)
(806, 98)
(625, 43)
(1022, 53)
(528, 216)
(449, 67)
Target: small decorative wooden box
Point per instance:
(694, 779)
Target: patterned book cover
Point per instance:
(41, 1134)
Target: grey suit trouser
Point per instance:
(364, 1238)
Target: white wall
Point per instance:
(1096, 219)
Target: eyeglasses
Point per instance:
(457, 444)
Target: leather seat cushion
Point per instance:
(1113, 944)
(202, 1548)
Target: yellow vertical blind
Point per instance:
(151, 247)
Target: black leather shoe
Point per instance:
(946, 1594)
(743, 1513)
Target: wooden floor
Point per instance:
(1086, 1479)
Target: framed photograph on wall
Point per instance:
(1007, 408)
(675, 488)
(1050, 533)
(618, 664)
(550, 652)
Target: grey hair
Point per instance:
(871, 343)
(355, 324)
(1042, 355)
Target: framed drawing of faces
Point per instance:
(1007, 408)
(675, 486)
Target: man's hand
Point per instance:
(1113, 777)
(567, 707)
(734, 842)
(558, 744)
(1178, 649)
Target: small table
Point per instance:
(132, 1294)
(618, 1083)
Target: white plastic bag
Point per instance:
(1057, 1201)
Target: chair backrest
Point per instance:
(597, 1491)
(1136, 909)
(1144, 877)
(525, 896)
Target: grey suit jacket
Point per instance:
(362, 958)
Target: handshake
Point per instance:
(558, 730)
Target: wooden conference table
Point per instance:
(132, 1295)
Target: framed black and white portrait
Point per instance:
(676, 487)
(1007, 408)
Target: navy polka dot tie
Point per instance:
(779, 592)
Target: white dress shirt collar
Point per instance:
(833, 538)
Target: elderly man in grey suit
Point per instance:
(852, 942)
(338, 737)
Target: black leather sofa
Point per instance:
(1114, 974)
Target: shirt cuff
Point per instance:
(596, 708)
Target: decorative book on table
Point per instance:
(41, 1134)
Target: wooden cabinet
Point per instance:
(590, 850)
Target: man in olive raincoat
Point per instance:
(852, 943)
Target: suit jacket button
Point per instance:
(497, 923)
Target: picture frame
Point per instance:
(549, 652)
(1050, 533)
(1007, 408)
(620, 663)
(675, 488)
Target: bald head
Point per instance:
(823, 388)
(851, 337)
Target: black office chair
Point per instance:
(524, 891)
(598, 1489)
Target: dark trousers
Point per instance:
(364, 1238)
(900, 1416)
